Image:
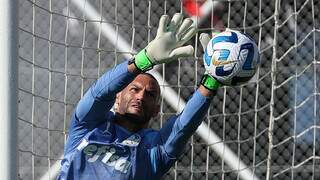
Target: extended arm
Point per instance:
(98, 100)
(188, 121)
(177, 131)
(101, 95)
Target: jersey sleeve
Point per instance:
(186, 124)
(96, 102)
(177, 131)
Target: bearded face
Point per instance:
(139, 100)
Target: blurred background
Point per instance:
(65, 45)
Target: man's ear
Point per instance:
(156, 111)
(117, 102)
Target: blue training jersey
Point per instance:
(97, 148)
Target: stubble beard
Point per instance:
(127, 115)
(134, 118)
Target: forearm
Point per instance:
(188, 121)
(194, 111)
(133, 69)
(113, 81)
(101, 95)
(206, 92)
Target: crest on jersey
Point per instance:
(132, 141)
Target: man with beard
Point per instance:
(105, 144)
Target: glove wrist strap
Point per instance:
(209, 82)
(142, 62)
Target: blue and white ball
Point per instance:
(231, 57)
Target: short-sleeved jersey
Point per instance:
(97, 148)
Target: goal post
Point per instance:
(8, 89)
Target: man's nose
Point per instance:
(141, 95)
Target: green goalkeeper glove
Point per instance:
(167, 45)
(208, 81)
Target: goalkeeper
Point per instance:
(103, 144)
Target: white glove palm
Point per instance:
(167, 45)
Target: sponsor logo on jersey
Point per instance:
(108, 154)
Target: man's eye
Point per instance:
(133, 89)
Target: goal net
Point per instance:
(265, 129)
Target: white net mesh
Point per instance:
(264, 129)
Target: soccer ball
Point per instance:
(231, 57)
